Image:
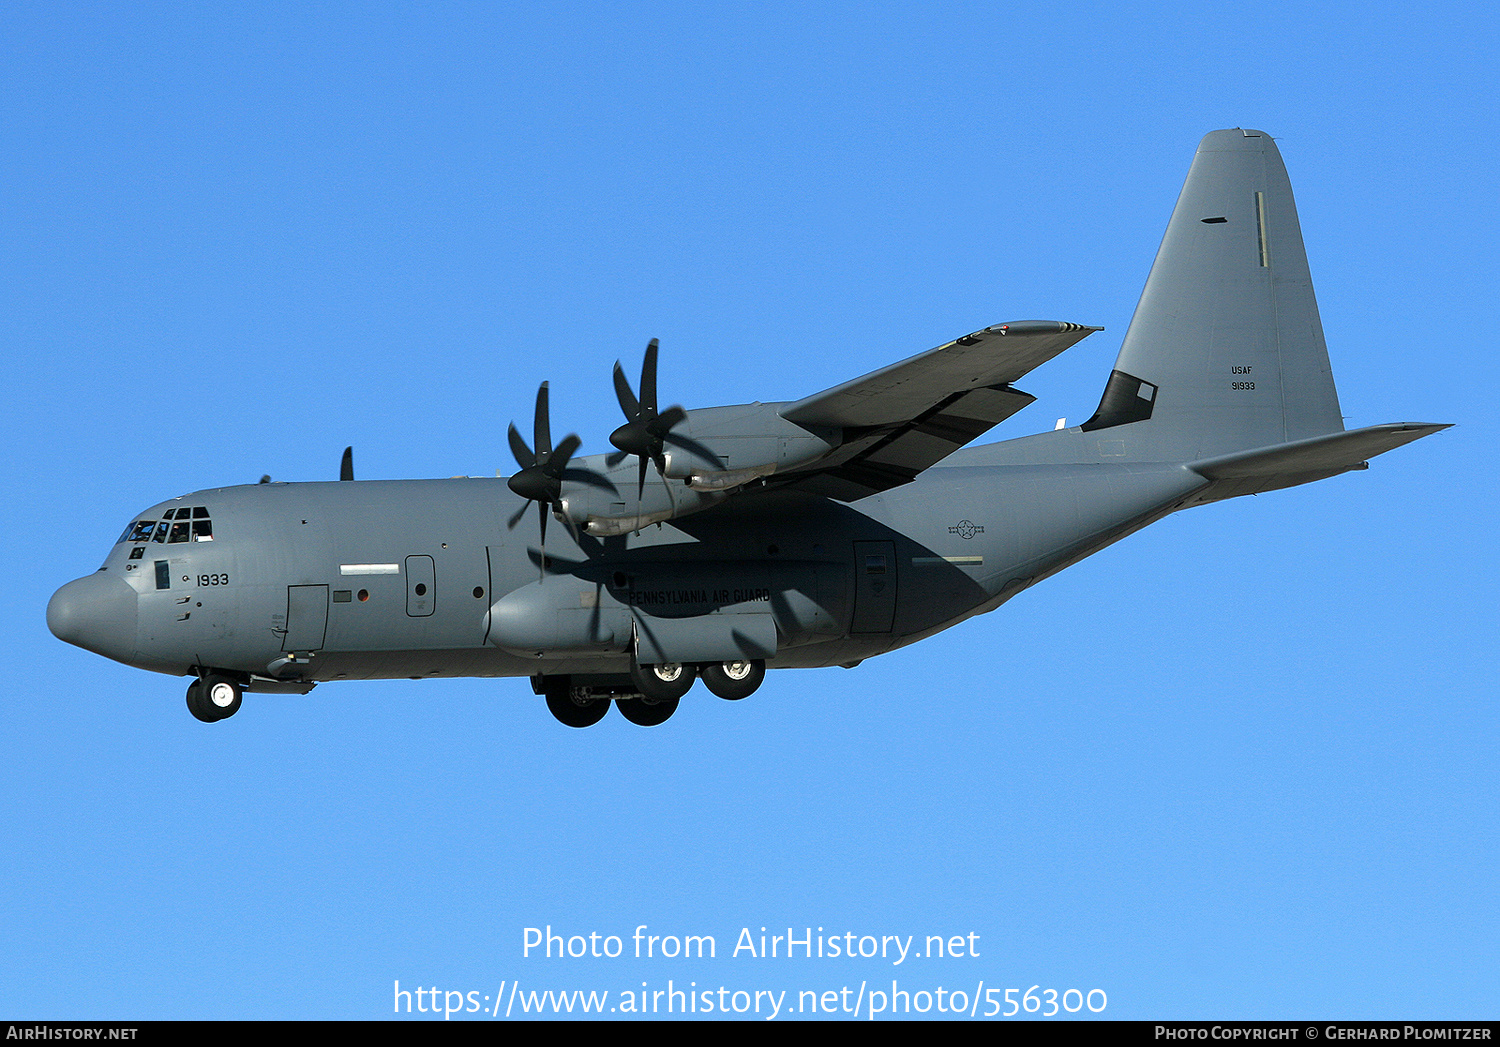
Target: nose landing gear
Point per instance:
(213, 697)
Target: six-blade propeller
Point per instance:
(646, 434)
(647, 431)
(542, 471)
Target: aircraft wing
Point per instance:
(901, 419)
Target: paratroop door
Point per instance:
(874, 587)
(306, 617)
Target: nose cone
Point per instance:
(97, 613)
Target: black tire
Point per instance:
(662, 683)
(221, 696)
(643, 712)
(734, 680)
(571, 711)
(198, 705)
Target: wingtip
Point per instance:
(1031, 327)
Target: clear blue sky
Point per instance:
(1239, 765)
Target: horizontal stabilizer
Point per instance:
(1289, 464)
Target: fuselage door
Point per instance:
(306, 617)
(874, 587)
(421, 586)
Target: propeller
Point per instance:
(543, 470)
(647, 431)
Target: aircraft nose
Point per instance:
(96, 612)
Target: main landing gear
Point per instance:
(734, 680)
(652, 694)
(647, 712)
(572, 705)
(213, 697)
(662, 683)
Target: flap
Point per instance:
(878, 459)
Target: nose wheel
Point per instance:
(213, 698)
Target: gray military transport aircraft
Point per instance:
(719, 542)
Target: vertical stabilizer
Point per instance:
(1225, 351)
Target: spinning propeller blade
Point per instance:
(542, 470)
(647, 431)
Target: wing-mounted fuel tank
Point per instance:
(676, 612)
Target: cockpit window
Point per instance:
(139, 531)
(184, 524)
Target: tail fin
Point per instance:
(1225, 352)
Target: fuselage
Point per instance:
(424, 578)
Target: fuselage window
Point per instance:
(179, 532)
(139, 532)
(161, 531)
(203, 529)
(163, 574)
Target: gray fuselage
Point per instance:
(417, 578)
